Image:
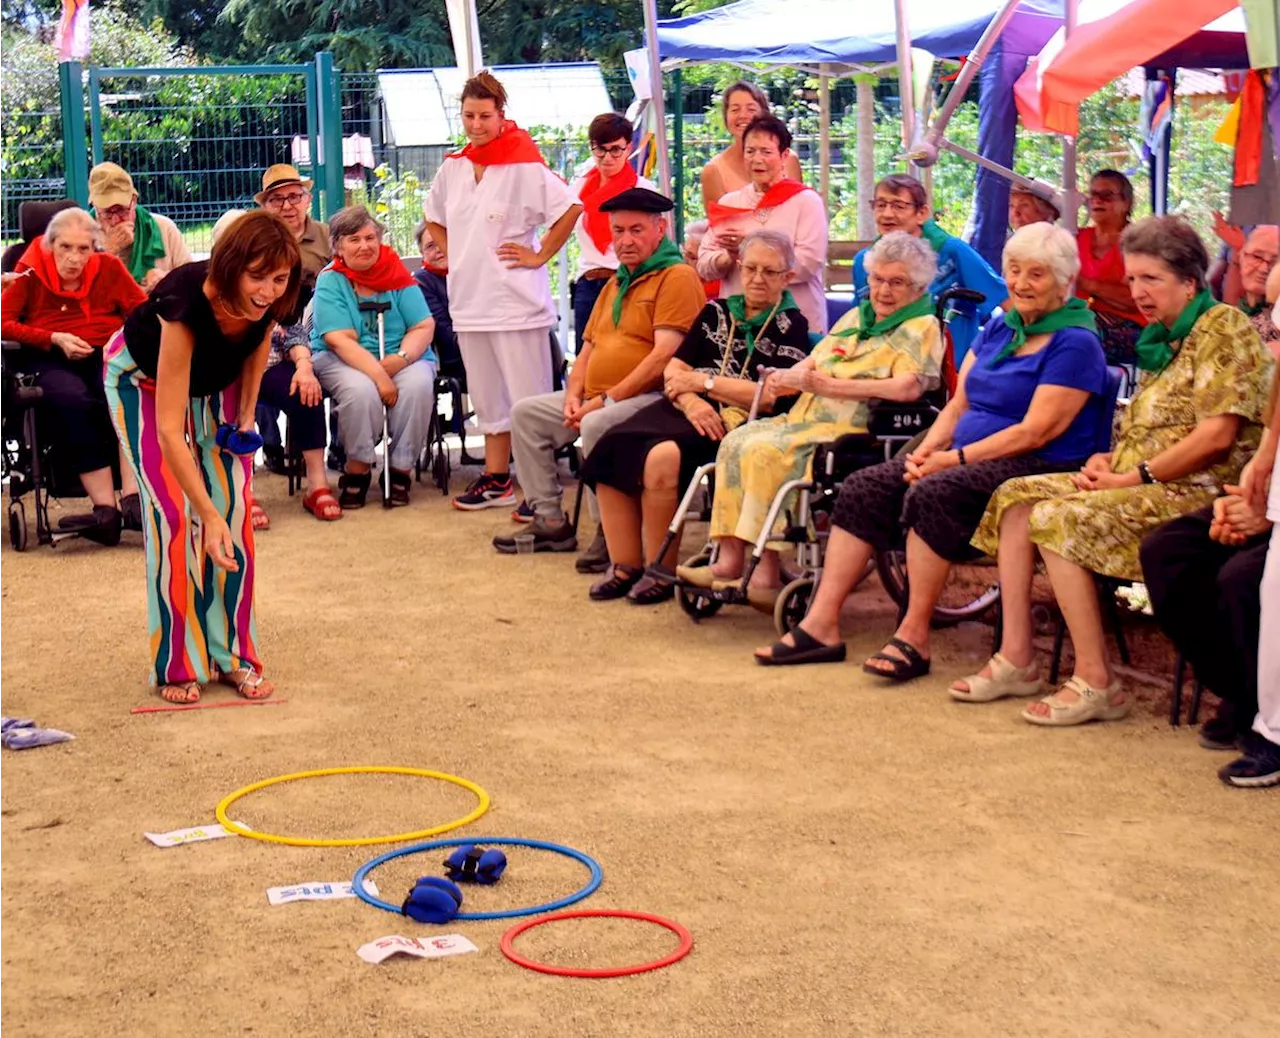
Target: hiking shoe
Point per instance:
(596, 558)
(487, 492)
(546, 537)
(524, 513)
(1258, 768)
(1219, 732)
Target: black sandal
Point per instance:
(807, 649)
(353, 489)
(400, 486)
(651, 591)
(914, 666)
(620, 580)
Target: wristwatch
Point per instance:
(709, 384)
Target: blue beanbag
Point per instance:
(229, 438)
(472, 864)
(433, 899)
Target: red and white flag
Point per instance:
(72, 40)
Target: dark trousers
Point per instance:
(585, 294)
(1206, 598)
(76, 405)
(305, 423)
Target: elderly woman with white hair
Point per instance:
(65, 302)
(1030, 399)
(889, 348)
(361, 376)
(639, 467)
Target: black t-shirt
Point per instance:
(217, 358)
(783, 342)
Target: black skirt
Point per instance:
(618, 458)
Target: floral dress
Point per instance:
(756, 459)
(1220, 368)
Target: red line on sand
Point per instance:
(173, 707)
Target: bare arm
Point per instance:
(1207, 443)
(712, 185)
(414, 343)
(558, 234)
(738, 392)
(898, 388)
(251, 380)
(173, 400)
(439, 235)
(1052, 410)
(647, 375)
(346, 345)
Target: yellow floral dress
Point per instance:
(1220, 369)
(757, 458)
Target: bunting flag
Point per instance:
(1156, 113)
(72, 39)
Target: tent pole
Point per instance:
(659, 100)
(677, 131)
(824, 136)
(866, 83)
(1070, 196)
(972, 66)
(906, 88)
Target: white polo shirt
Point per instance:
(508, 204)
(588, 255)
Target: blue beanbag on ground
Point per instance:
(472, 864)
(433, 899)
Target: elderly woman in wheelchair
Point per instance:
(1030, 398)
(65, 302)
(890, 348)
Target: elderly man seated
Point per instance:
(637, 325)
(66, 301)
(1027, 206)
(1258, 258)
(901, 204)
(148, 244)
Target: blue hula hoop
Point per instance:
(597, 875)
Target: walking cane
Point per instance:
(379, 308)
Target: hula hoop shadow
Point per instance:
(597, 875)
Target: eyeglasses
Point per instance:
(615, 151)
(750, 270)
(116, 213)
(879, 205)
(893, 284)
(1266, 259)
(1104, 196)
(294, 198)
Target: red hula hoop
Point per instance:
(686, 944)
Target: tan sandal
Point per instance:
(180, 692)
(1006, 680)
(1094, 704)
(248, 683)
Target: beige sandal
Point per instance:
(1094, 704)
(1006, 680)
(248, 683)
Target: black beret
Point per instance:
(638, 200)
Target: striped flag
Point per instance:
(72, 39)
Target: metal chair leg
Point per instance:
(1197, 690)
(1175, 694)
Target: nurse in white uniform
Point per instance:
(484, 209)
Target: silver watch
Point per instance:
(709, 384)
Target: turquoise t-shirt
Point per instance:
(335, 307)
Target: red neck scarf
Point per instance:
(386, 275)
(438, 271)
(784, 189)
(38, 258)
(512, 145)
(595, 189)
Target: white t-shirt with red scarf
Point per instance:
(590, 254)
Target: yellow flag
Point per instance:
(1230, 128)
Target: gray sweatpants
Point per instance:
(360, 409)
(538, 431)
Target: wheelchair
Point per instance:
(28, 461)
(805, 505)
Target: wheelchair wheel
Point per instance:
(792, 604)
(17, 526)
(970, 591)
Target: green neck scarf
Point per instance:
(1074, 313)
(753, 326)
(664, 256)
(1251, 309)
(869, 327)
(147, 245)
(934, 235)
(1154, 344)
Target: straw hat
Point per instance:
(110, 185)
(280, 175)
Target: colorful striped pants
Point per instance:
(199, 616)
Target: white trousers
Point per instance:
(1267, 723)
(504, 367)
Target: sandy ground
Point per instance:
(853, 859)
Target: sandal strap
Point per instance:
(1003, 670)
(908, 650)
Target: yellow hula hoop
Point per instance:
(362, 841)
